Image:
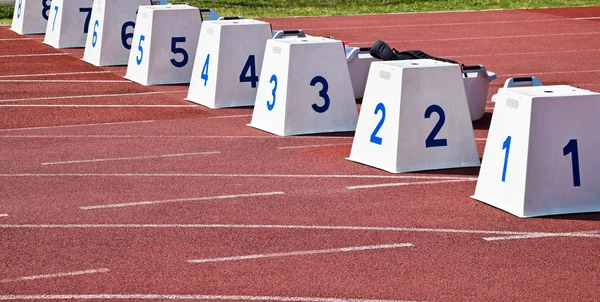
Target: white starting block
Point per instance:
(68, 23)
(305, 88)
(230, 55)
(359, 61)
(164, 44)
(477, 83)
(540, 157)
(111, 31)
(524, 81)
(30, 16)
(414, 117)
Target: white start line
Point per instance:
(56, 275)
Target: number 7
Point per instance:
(55, 13)
(87, 10)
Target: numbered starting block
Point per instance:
(477, 83)
(111, 31)
(359, 60)
(164, 44)
(230, 55)
(68, 23)
(30, 16)
(414, 117)
(540, 157)
(305, 88)
(524, 81)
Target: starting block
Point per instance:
(359, 60)
(540, 154)
(164, 44)
(477, 83)
(225, 74)
(414, 117)
(109, 38)
(305, 88)
(30, 16)
(68, 23)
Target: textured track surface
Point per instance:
(112, 190)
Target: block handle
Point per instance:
(473, 71)
(352, 52)
(208, 14)
(521, 81)
(288, 33)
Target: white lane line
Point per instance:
(262, 226)
(64, 81)
(533, 73)
(53, 74)
(3, 215)
(488, 37)
(177, 136)
(398, 184)
(140, 203)
(233, 175)
(101, 106)
(34, 55)
(301, 253)
(481, 139)
(590, 234)
(128, 158)
(91, 271)
(521, 53)
(185, 297)
(587, 18)
(90, 96)
(79, 125)
(231, 116)
(15, 39)
(312, 146)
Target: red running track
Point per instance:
(115, 191)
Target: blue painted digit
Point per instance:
(571, 148)
(55, 13)
(86, 25)
(505, 146)
(179, 50)
(431, 141)
(19, 9)
(273, 79)
(204, 74)
(126, 36)
(45, 9)
(250, 66)
(95, 34)
(374, 138)
(141, 49)
(322, 94)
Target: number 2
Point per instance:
(374, 138)
(431, 141)
(322, 94)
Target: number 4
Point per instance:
(249, 67)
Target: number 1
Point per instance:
(571, 148)
(505, 146)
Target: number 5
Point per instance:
(141, 49)
(176, 50)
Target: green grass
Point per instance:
(281, 8)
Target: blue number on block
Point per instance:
(55, 13)
(19, 9)
(86, 25)
(176, 50)
(251, 67)
(374, 138)
(431, 141)
(45, 9)
(204, 74)
(273, 79)
(322, 94)
(95, 34)
(125, 36)
(571, 148)
(141, 49)
(505, 146)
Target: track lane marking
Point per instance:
(185, 297)
(176, 136)
(487, 37)
(398, 184)
(48, 276)
(313, 146)
(3, 215)
(140, 203)
(54, 74)
(33, 55)
(91, 96)
(230, 116)
(65, 81)
(78, 125)
(590, 234)
(79, 161)
(302, 253)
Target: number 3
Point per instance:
(322, 94)
(273, 79)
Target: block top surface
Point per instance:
(234, 22)
(548, 91)
(306, 40)
(168, 7)
(420, 63)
